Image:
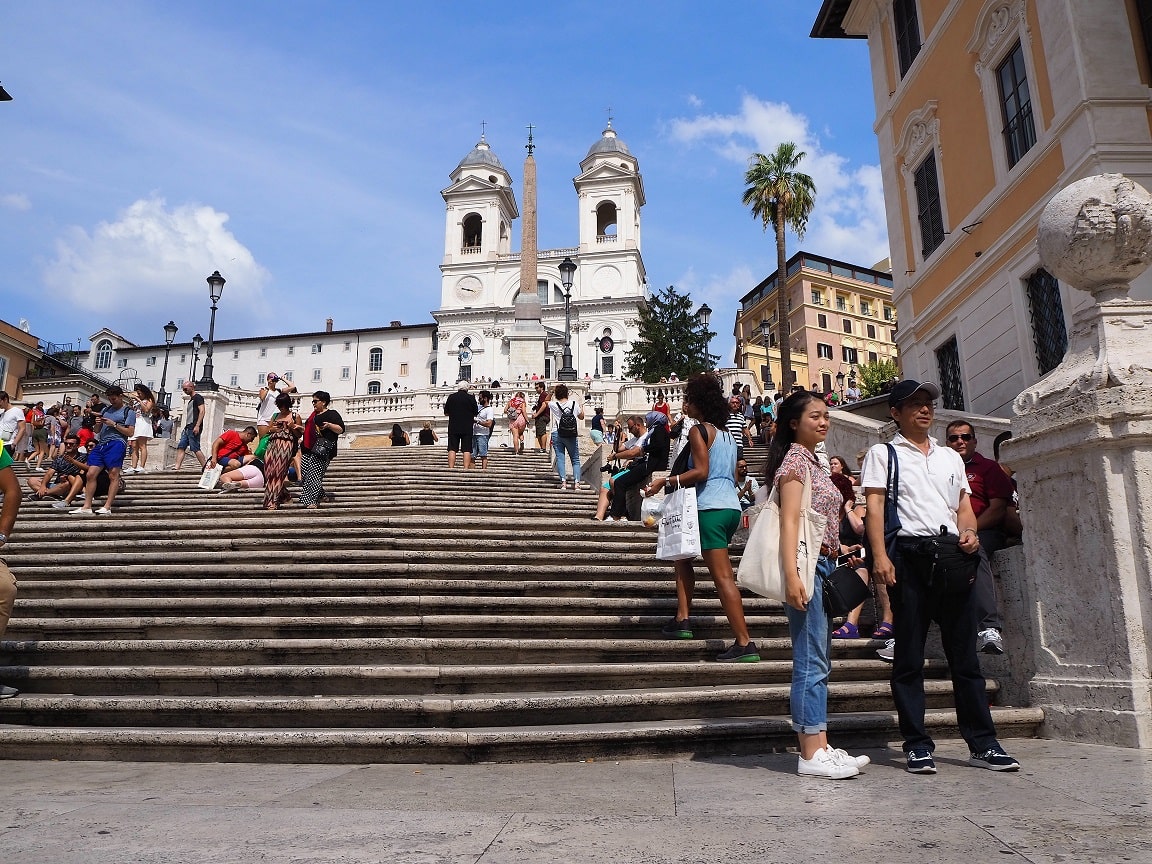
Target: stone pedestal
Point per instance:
(215, 404)
(1082, 451)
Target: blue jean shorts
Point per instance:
(189, 440)
(480, 446)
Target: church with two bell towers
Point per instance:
(502, 313)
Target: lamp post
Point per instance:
(567, 271)
(702, 316)
(840, 383)
(766, 333)
(169, 334)
(215, 289)
(197, 341)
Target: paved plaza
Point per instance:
(1070, 803)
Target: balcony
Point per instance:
(605, 238)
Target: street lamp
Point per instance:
(169, 334)
(197, 341)
(766, 333)
(215, 289)
(567, 271)
(702, 316)
(840, 383)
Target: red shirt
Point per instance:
(231, 447)
(988, 481)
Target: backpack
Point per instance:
(567, 427)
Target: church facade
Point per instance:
(488, 326)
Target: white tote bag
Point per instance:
(678, 536)
(761, 568)
(209, 478)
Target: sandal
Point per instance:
(884, 630)
(847, 630)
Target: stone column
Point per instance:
(1082, 451)
(215, 404)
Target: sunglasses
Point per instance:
(963, 436)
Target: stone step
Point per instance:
(448, 711)
(379, 680)
(434, 650)
(684, 738)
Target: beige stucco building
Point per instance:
(841, 316)
(984, 108)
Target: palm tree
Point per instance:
(780, 196)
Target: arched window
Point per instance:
(104, 354)
(376, 360)
(473, 227)
(373, 388)
(606, 219)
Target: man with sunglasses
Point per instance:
(991, 495)
(931, 497)
(63, 476)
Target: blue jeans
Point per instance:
(811, 645)
(570, 446)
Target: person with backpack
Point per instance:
(565, 411)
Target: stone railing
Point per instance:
(542, 253)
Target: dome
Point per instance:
(609, 143)
(481, 155)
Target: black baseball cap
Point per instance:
(902, 390)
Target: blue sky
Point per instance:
(300, 147)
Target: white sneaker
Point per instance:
(103, 511)
(845, 758)
(825, 764)
(81, 511)
(61, 505)
(888, 652)
(989, 642)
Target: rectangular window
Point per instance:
(151, 361)
(183, 358)
(432, 372)
(928, 206)
(1016, 106)
(849, 354)
(347, 346)
(179, 383)
(606, 367)
(403, 369)
(261, 379)
(403, 341)
(287, 376)
(871, 331)
(315, 374)
(865, 307)
(235, 355)
(872, 358)
(888, 313)
(121, 362)
(542, 291)
(841, 304)
(907, 33)
(466, 371)
(234, 381)
(317, 347)
(345, 373)
(263, 352)
(951, 385)
(847, 324)
(291, 350)
(1047, 313)
(817, 298)
(152, 386)
(824, 352)
(822, 321)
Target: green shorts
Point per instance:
(717, 528)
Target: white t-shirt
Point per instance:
(486, 414)
(267, 408)
(930, 486)
(570, 404)
(9, 422)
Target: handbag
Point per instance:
(953, 569)
(678, 535)
(844, 590)
(210, 477)
(761, 566)
(322, 448)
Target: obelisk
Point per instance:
(527, 338)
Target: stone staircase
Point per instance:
(425, 616)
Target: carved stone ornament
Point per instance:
(1095, 235)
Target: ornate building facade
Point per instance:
(478, 322)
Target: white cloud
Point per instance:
(848, 220)
(152, 262)
(695, 101)
(16, 201)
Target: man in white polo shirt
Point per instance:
(932, 499)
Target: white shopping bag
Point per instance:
(650, 510)
(679, 533)
(210, 477)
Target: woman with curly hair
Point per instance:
(712, 469)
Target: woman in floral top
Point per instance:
(516, 412)
(801, 424)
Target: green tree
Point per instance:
(875, 377)
(670, 339)
(782, 197)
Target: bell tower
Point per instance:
(611, 193)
